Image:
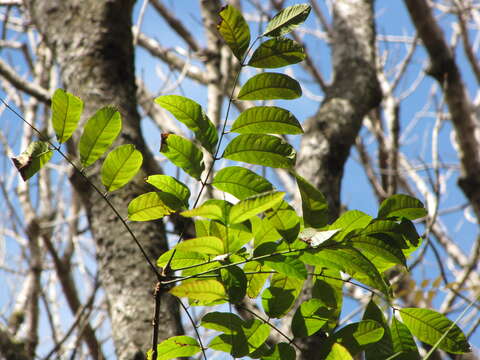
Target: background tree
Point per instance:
(91, 45)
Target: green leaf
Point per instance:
(234, 236)
(98, 134)
(191, 114)
(120, 166)
(383, 348)
(235, 282)
(310, 317)
(403, 341)
(287, 265)
(32, 159)
(287, 20)
(66, 112)
(328, 288)
(227, 323)
(285, 221)
(349, 221)
(429, 326)
(379, 250)
(266, 120)
(251, 206)
(348, 260)
(240, 182)
(275, 53)
(181, 259)
(402, 206)
(183, 153)
(211, 209)
(177, 346)
(278, 299)
(248, 339)
(201, 292)
(151, 206)
(338, 352)
(256, 279)
(270, 86)
(314, 204)
(266, 150)
(234, 30)
(204, 245)
(281, 351)
(263, 231)
(170, 185)
(355, 336)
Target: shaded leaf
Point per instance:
(120, 166)
(201, 292)
(429, 326)
(151, 206)
(183, 153)
(285, 221)
(278, 299)
(400, 205)
(227, 323)
(328, 288)
(287, 20)
(266, 150)
(281, 351)
(235, 282)
(191, 114)
(66, 112)
(270, 86)
(403, 341)
(355, 336)
(276, 53)
(98, 134)
(310, 317)
(251, 206)
(170, 185)
(349, 221)
(234, 30)
(314, 204)
(32, 159)
(240, 182)
(383, 348)
(256, 279)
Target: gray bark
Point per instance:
(331, 132)
(92, 43)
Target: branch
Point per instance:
(24, 85)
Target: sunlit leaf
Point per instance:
(120, 166)
(151, 206)
(266, 120)
(287, 20)
(251, 206)
(234, 30)
(211, 209)
(429, 326)
(287, 265)
(255, 278)
(349, 221)
(66, 112)
(191, 114)
(281, 351)
(240, 182)
(314, 204)
(276, 53)
(204, 245)
(181, 259)
(177, 346)
(309, 318)
(338, 352)
(32, 159)
(266, 150)
(270, 86)
(170, 185)
(383, 348)
(183, 153)
(234, 236)
(285, 221)
(401, 205)
(201, 292)
(98, 134)
(356, 335)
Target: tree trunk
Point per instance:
(92, 42)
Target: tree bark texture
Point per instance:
(331, 132)
(444, 69)
(355, 90)
(92, 42)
